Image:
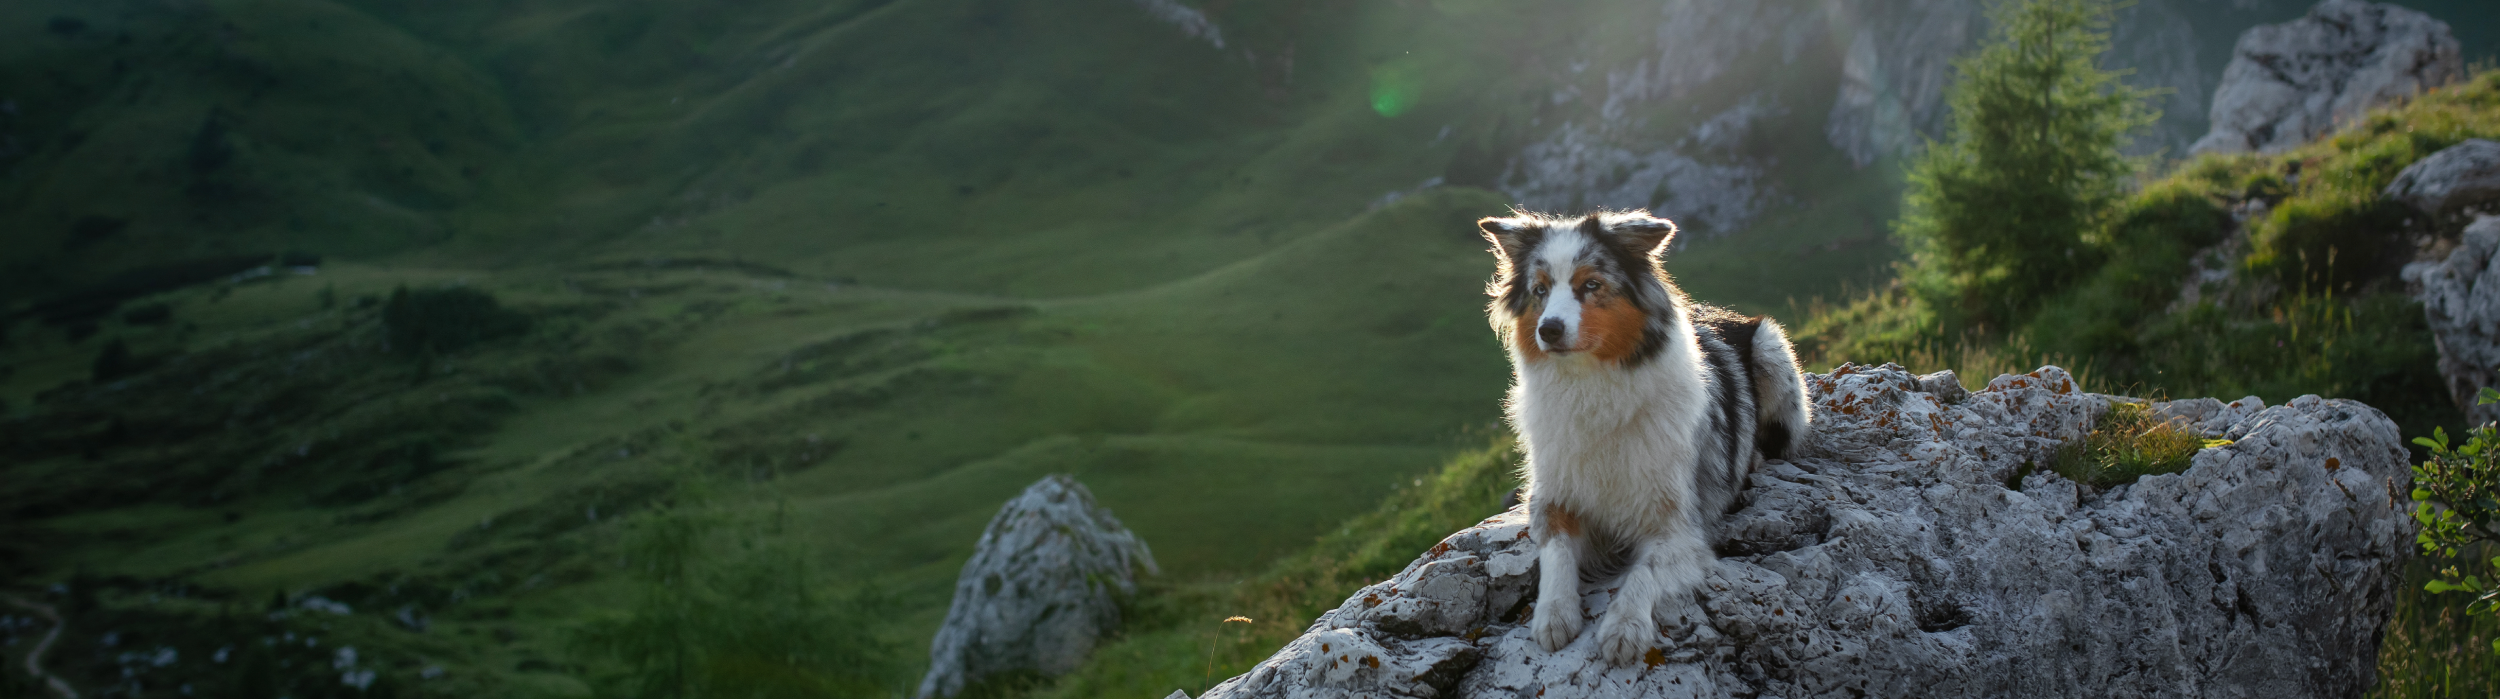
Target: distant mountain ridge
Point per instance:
(499, 133)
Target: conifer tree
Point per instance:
(1997, 214)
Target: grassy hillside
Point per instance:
(887, 261)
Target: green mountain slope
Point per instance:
(1229, 418)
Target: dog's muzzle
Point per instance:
(1551, 333)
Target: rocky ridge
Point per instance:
(1891, 558)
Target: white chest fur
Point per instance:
(1616, 447)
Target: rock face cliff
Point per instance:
(1044, 583)
(1890, 558)
(2461, 299)
(2292, 82)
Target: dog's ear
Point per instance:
(1638, 231)
(1510, 236)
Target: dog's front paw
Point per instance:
(1622, 639)
(1556, 624)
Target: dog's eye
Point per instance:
(1593, 285)
(1538, 289)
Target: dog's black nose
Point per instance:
(1550, 331)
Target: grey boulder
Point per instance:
(1044, 583)
(1890, 558)
(2292, 82)
(2461, 299)
(2455, 177)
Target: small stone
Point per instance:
(2451, 179)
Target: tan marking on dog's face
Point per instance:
(1610, 326)
(1523, 338)
(1523, 328)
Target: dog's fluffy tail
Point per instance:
(1779, 393)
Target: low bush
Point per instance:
(435, 321)
(2153, 236)
(2457, 501)
(2376, 349)
(113, 363)
(749, 620)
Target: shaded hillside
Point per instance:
(143, 133)
(888, 140)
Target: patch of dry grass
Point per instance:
(2129, 443)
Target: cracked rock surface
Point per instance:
(1889, 558)
(2461, 300)
(2291, 82)
(1043, 585)
(2454, 178)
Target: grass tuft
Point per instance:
(2129, 443)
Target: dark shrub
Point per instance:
(150, 314)
(2325, 242)
(114, 362)
(433, 321)
(91, 229)
(85, 304)
(209, 148)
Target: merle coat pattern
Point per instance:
(1640, 411)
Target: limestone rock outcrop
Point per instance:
(1044, 583)
(1671, 125)
(2461, 299)
(2456, 177)
(2292, 82)
(1890, 557)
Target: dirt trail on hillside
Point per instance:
(34, 658)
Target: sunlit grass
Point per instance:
(2433, 648)
(2126, 444)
